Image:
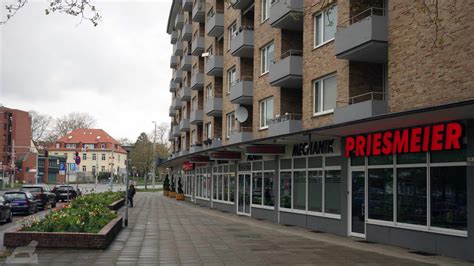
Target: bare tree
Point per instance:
(161, 131)
(71, 122)
(125, 141)
(84, 9)
(40, 125)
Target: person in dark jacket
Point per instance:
(131, 193)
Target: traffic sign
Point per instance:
(72, 166)
(61, 167)
(78, 160)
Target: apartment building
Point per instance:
(99, 153)
(348, 117)
(18, 155)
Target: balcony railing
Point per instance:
(197, 47)
(215, 24)
(174, 37)
(198, 11)
(215, 65)
(214, 107)
(185, 94)
(241, 91)
(241, 4)
(187, 5)
(288, 71)
(187, 32)
(211, 143)
(363, 37)
(287, 14)
(361, 106)
(284, 124)
(240, 134)
(184, 125)
(173, 86)
(241, 45)
(178, 49)
(196, 117)
(186, 61)
(197, 81)
(177, 76)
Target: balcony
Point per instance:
(177, 76)
(187, 32)
(365, 38)
(187, 5)
(177, 104)
(212, 143)
(173, 86)
(241, 92)
(361, 106)
(175, 131)
(240, 134)
(288, 72)
(170, 136)
(178, 21)
(287, 14)
(174, 37)
(196, 117)
(197, 47)
(197, 81)
(178, 49)
(184, 125)
(197, 147)
(183, 152)
(285, 124)
(198, 11)
(241, 4)
(174, 61)
(215, 65)
(186, 61)
(241, 45)
(185, 94)
(172, 111)
(215, 24)
(214, 107)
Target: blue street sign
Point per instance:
(72, 166)
(61, 167)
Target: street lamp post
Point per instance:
(153, 158)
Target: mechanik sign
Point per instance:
(438, 137)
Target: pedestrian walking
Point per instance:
(131, 193)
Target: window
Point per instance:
(70, 146)
(84, 168)
(58, 145)
(267, 57)
(94, 156)
(209, 92)
(103, 156)
(102, 168)
(266, 112)
(380, 194)
(285, 190)
(230, 123)
(325, 93)
(265, 9)
(88, 146)
(84, 156)
(209, 130)
(299, 189)
(263, 174)
(411, 195)
(325, 26)
(93, 169)
(232, 32)
(231, 78)
(102, 146)
(315, 189)
(257, 188)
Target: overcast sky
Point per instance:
(118, 71)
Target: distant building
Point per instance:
(50, 171)
(17, 154)
(99, 152)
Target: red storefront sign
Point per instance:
(265, 149)
(438, 137)
(187, 166)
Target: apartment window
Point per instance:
(230, 123)
(325, 93)
(89, 146)
(102, 168)
(266, 9)
(266, 112)
(209, 130)
(231, 78)
(267, 57)
(102, 146)
(325, 26)
(194, 104)
(93, 169)
(84, 156)
(232, 32)
(57, 144)
(103, 156)
(84, 168)
(70, 146)
(209, 92)
(94, 156)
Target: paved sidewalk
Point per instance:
(164, 231)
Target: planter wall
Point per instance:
(16, 238)
(179, 196)
(117, 205)
(172, 194)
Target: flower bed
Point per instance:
(85, 218)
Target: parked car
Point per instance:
(21, 202)
(42, 194)
(6, 214)
(62, 192)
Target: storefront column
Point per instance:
(470, 182)
(276, 189)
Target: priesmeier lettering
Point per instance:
(410, 140)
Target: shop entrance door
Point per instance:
(358, 203)
(243, 192)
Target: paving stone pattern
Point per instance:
(164, 231)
